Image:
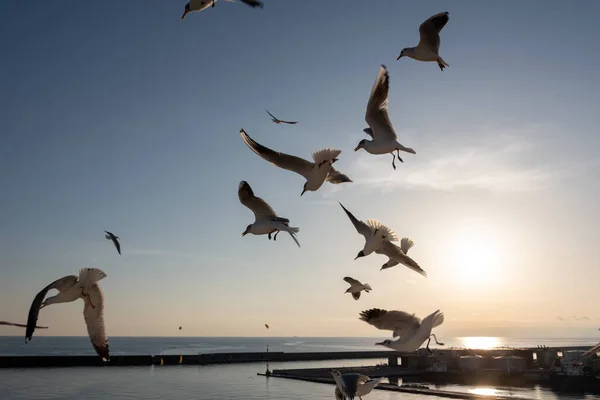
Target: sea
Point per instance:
(233, 381)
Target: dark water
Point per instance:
(210, 382)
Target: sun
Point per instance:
(477, 263)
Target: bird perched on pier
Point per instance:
(6, 323)
(356, 287)
(429, 43)
(114, 239)
(200, 5)
(266, 220)
(315, 173)
(385, 139)
(71, 288)
(375, 233)
(280, 121)
(410, 330)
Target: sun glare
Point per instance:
(477, 259)
(480, 342)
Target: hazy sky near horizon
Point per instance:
(120, 116)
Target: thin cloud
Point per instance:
(498, 161)
(574, 318)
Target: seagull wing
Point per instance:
(336, 177)
(259, 207)
(34, 311)
(352, 281)
(288, 122)
(117, 244)
(272, 116)
(592, 351)
(94, 319)
(430, 31)
(377, 108)
(401, 323)
(253, 3)
(395, 253)
(360, 226)
(281, 160)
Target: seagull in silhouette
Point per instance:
(199, 5)
(316, 173)
(280, 121)
(429, 43)
(384, 137)
(115, 240)
(356, 287)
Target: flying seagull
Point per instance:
(266, 221)
(397, 255)
(385, 139)
(315, 173)
(350, 385)
(267, 326)
(412, 332)
(356, 287)
(199, 5)
(6, 323)
(280, 121)
(429, 43)
(375, 233)
(71, 288)
(115, 240)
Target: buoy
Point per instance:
(180, 359)
(161, 361)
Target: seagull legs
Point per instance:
(87, 296)
(393, 160)
(213, 4)
(275, 237)
(427, 347)
(436, 341)
(273, 231)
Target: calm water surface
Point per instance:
(211, 382)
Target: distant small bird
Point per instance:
(71, 288)
(115, 240)
(280, 121)
(199, 5)
(267, 326)
(180, 328)
(316, 173)
(429, 43)
(374, 232)
(356, 287)
(266, 221)
(6, 323)
(412, 332)
(385, 139)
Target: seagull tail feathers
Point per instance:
(293, 235)
(325, 155)
(89, 276)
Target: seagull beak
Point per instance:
(184, 14)
(360, 254)
(399, 57)
(379, 344)
(304, 190)
(244, 233)
(357, 148)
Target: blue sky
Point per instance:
(121, 116)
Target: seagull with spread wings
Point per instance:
(356, 287)
(266, 221)
(280, 121)
(375, 233)
(429, 43)
(199, 5)
(385, 139)
(315, 173)
(397, 255)
(410, 330)
(114, 239)
(71, 288)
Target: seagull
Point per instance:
(6, 323)
(397, 255)
(344, 383)
(356, 287)
(267, 326)
(385, 139)
(375, 233)
(315, 173)
(115, 240)
(280, 121)
(70, 289)
(199, 5)
(412, 332)
(429, 42)
(266, 221)
(348, 383)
